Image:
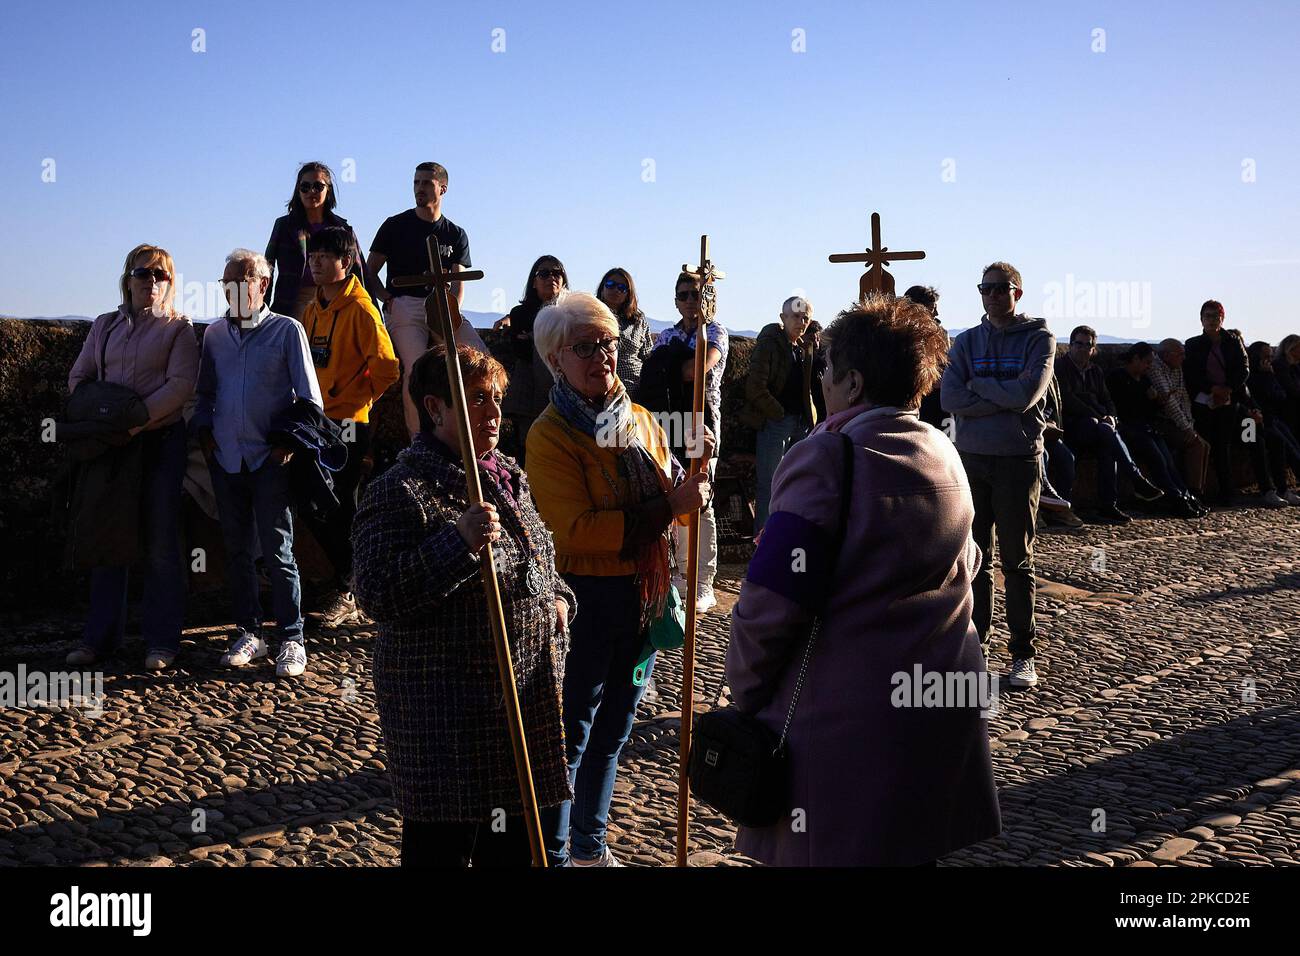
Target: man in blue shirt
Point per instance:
(255, 365)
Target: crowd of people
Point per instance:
(587, 495)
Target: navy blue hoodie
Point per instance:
(994, 386)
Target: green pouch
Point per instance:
(667, 633)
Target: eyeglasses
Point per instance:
(158, 275)
(1082, 345)
(585, 350)
(617, 286)
(995, 288)
(311, 187)
(550, 274)
(688, 295)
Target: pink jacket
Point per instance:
(157, 358)
(879, 780)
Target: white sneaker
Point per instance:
(1023, 673)
(1270, 499)
(1291, 498)
(292, 659)
(246, 649)
(705, 601)
(158, 660)
(605, 859)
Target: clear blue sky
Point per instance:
(1123, 166)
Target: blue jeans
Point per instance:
(600, 703)
(1155, 454)
(1112, 454)
(257, 502)
(162, 608)
(774, 439)
(1058, 468)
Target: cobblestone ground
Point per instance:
(1164, 729)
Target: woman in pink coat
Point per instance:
(888, 747)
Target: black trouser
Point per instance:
(1223, 429)
(1005, 492)
(335, 532)
(426, 844)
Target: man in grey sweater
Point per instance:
(997, 375)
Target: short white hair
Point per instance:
(261, 268)
(557, 323)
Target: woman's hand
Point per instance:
(561, 614)
(501, 323)
(691, 494)
(702, 447)
(479, 526)
(280, 455)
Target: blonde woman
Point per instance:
(148, 347)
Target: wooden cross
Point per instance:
(706, 273)
(875, 279)
(441, 280)
(444, 317)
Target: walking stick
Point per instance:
(439, 308)
(706, 273)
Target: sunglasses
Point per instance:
(550, 274)
(617, 286)
(1082, 345)
(688, 295)
(585, 350)
(158, 275)
(311, 187)
(995, 288)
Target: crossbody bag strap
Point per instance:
(846, 492)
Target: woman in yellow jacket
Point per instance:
(608, 487)
(355, 363)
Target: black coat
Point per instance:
(104, 475)
(662, 388)
(319, 450)
(1235, 363)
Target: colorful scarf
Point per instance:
(615, 426)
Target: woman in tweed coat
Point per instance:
(418, 548)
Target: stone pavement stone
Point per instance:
(1163, 730)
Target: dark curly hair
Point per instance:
(895, 346)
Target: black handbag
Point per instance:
(738, 765)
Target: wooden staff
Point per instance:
(706, 274)
(443, 315)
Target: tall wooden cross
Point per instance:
(706, 273)
(875, 279)
(440, 279)
(443, 314)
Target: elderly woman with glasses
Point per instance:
(147, 346)
(419, 545)
(609, 489)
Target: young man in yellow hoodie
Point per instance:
(355, 363)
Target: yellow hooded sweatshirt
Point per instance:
(361, 363)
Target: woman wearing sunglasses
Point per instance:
(530, 380)
(608, 487)
(151, 349)
(618, 292)
(311, 209)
